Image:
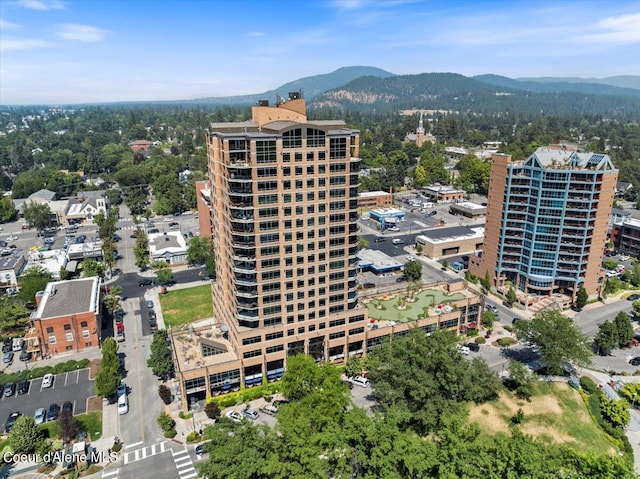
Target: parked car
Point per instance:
(464, 350)
(67, 406)
(122, 388)
(7, 345)
(380, 239)
(149, 304)
(368, 285)
(635, 361)
(174, 226)
(491, 307)
(23, 386)
(400, 279)
(397, 241)
(250, 414)
(201, 448)
(123, 404)
(360, 381)
(145, 282)
(40, 416)
(269, 409)
(394, 229)
(11, 420)
(8, 357)
(53, 412)
(153, 325)
(475, 347)
(233, 415)
(25, 355)
(152, 315)
(47, 380)
(633, 297)
(9, 389)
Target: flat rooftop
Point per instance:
(171, 241)
(377, 258)
(469, 205)
(65, 298)
(454, 233)
(365, 194)
(192, 341)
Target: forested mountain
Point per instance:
(558, 86)
(311, 86)
(459, 94)
(621, 81)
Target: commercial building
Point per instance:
(375, 199)
(443, 194)
(283, 197)
(468, 209)
(547, 222)
(169, 246)
(442, 242)
(625, 235)
(67, 316)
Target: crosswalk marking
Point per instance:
(184, 464)
(144, 452)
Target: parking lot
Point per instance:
(73, 386)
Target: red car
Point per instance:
(120, 327)
(26, 226)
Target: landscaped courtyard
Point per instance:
(427, 298)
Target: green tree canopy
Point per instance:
(7, 210)
(33, 279)
(582, 298)
(607, 337)
(13, 314)
(200, 252)
(25, 435)
(165, 275)
(413, 270)
(624, 328)
(38, 215)
(160, 360)
(559, 339)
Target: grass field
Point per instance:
(91, 422)
(555, 414)
(182, 306)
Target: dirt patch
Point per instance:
(538, 430)
(94, 403)
(94, 366)
(489, 419)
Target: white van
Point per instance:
(17, 344)
(397, 241)
(360, 381)
(123, 404)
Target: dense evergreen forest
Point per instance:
(37, 142)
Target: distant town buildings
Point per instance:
(547, 223)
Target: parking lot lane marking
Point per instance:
(133, 445)
(106, 474)
(136, 454)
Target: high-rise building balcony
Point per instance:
(353, 272)
(240, 189)
(246, 280)
(243, 292)
(242, 228)
(240, 241)
(243, 217)
(353, 240)
(247, 315)
(239, 174)
(352, 296)
(352, 285)
(247, 303)
(244, 267)
(240, 202)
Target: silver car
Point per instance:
(40, 415)
(250, 414)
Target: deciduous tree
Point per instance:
(160, 360)
(413, 270)
(606, 338)
(25, 435)
(33, 279)
(624, 329)
(559, 339)
(200, 252)
(582, 298)
(38, 215)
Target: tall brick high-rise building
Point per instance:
(547, 221)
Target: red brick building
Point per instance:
(67, 317)
(138, 145)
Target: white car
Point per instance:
(464, 350)
(40, 416)
(47, 380)
(234, 415)
(12, 238)
(623, 257)
(410, 258)
(167, 220)
(123, 404)
(394, 228)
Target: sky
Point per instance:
(91, 51)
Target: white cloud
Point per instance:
(82, 33)
(4, 25)
(42, 5)
(623, 29)
(8, 44)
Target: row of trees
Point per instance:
(423, 386)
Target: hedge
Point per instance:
(170, 434)
(504, 342)
(480, 340)
(245, 395)
(71, 365)
(588, 384)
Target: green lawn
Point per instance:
(555, 414)
(182, 306)
(424, 299)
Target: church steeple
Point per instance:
(420, 130)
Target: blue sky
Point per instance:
(76, 51)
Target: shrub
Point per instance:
(170, 434)
(508, 328)
(480, 340)
(504, 342)
(165, 394)
(117, 447)
(182, 415)
(518, 417)
(588, 385)
(165, 422)
(193, 436)
(212, 410)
